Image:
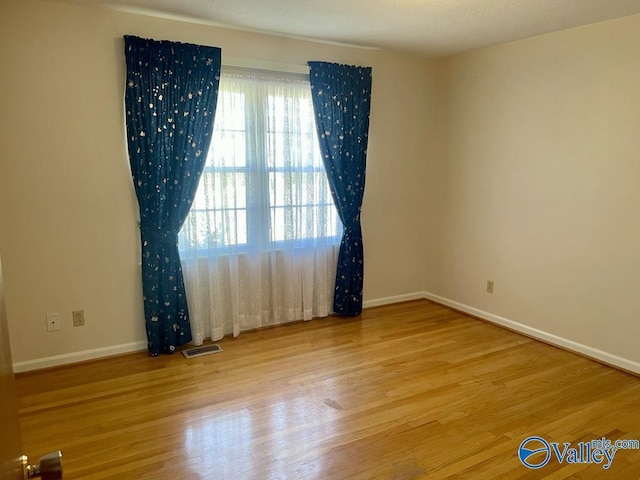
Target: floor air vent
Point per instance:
(199, 351)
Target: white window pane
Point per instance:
(241, 226)
(228, 149)
(228, 144)
(264, 178)
(277, 224)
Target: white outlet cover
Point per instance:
(53, 322)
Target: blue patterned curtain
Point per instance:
(170, 100)
(341, 102)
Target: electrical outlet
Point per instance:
(53, 322)
(489, 286)
(78, 318)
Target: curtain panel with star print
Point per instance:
(171, 92)
(341, 101)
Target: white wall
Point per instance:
(517, 163)
(68, 232)
(540, 184)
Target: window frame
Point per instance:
(261, 238)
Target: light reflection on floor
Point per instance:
(282, 437)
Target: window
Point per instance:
(263, 184)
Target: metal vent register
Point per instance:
(199, 351)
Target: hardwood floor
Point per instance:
(408, 391)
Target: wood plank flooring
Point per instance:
(407, 391)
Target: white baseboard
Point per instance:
(594, 353)
(377, 302)
(76, 357)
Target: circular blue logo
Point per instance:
(534, 452)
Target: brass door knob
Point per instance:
(49, 467)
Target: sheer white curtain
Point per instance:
(261, 241)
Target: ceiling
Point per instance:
(427, 27)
